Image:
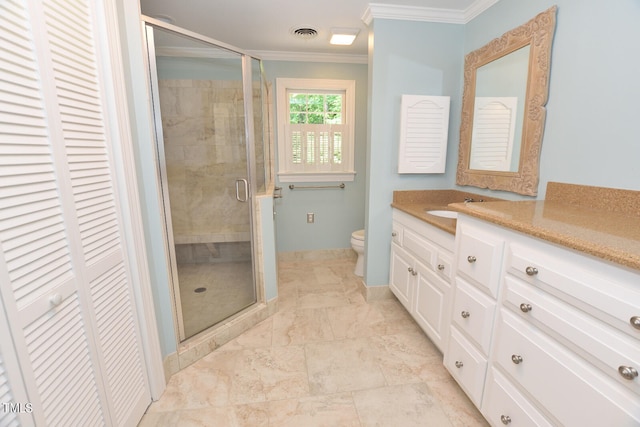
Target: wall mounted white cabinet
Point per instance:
(420, 273)
(424, 131)
(564, 339)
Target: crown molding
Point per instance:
(190, 52)
(426, 14)
(309, 57)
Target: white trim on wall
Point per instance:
(426, 14)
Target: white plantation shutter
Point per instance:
(70, 299)
(424, 130)
(494, 125)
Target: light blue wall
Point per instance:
(407, 58)
(593, 114)
(337, 212)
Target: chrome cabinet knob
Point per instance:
(410, 270)
(394, 234)
(525, 308)
(465, 314)
(628, 372)
(531, 271)
(506, 419)
(635, 322)
(414, 272)
(471, 259)
(459, 364)
(516, 358)
(441, 267)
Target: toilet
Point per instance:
(357, 243)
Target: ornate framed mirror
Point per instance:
(506, 87)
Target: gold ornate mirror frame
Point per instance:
(538, 34)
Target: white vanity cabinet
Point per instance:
(420, 273)
(565, 345)
(478, 268)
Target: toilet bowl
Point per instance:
(357, 243)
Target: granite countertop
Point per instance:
(613, 236)
(602, 222)
(417, 202)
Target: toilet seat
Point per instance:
(358, 235)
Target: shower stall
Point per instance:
(209, 102)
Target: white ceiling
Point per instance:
(265, 26)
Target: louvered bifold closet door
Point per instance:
(69, 298)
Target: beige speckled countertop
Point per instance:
(417, 202)
(602, 222)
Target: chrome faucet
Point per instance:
(469, 200)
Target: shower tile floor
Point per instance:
(326, 358)
(228, 288)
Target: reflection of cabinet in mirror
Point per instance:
(494, 126)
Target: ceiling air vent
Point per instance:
(304, 32)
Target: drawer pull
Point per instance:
(441, 267)
(516, 358)
(465, 314)
(414, 273)
(531, 271)
(525, 308)
(394, 234)
(471, 259)
(410, 270)
(459, 364)
(506, 419)
(635, 322)
(628, 372)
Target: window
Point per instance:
(315, 130)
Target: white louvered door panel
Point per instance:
(60, 231)
(424, 130)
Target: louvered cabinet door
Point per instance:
(65, 282)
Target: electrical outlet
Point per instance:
(311, 217)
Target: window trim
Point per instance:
(283, 86)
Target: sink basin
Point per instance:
(444, 214)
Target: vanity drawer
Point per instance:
(419, 246)
(603, 346)
(480, 257)
(572, 391)
(504, 404)
(467, 365)
(473, 313)
(608, 293)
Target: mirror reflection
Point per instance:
(501, 89)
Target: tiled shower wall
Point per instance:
(204, 142)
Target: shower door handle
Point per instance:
(246, 190)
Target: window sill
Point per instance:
(316, 177)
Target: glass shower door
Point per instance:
(204, 166)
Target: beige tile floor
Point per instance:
(327, 358)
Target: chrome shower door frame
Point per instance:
(148, 27)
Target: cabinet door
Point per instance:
(430, 309)
(65, 275)
(400, 275)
